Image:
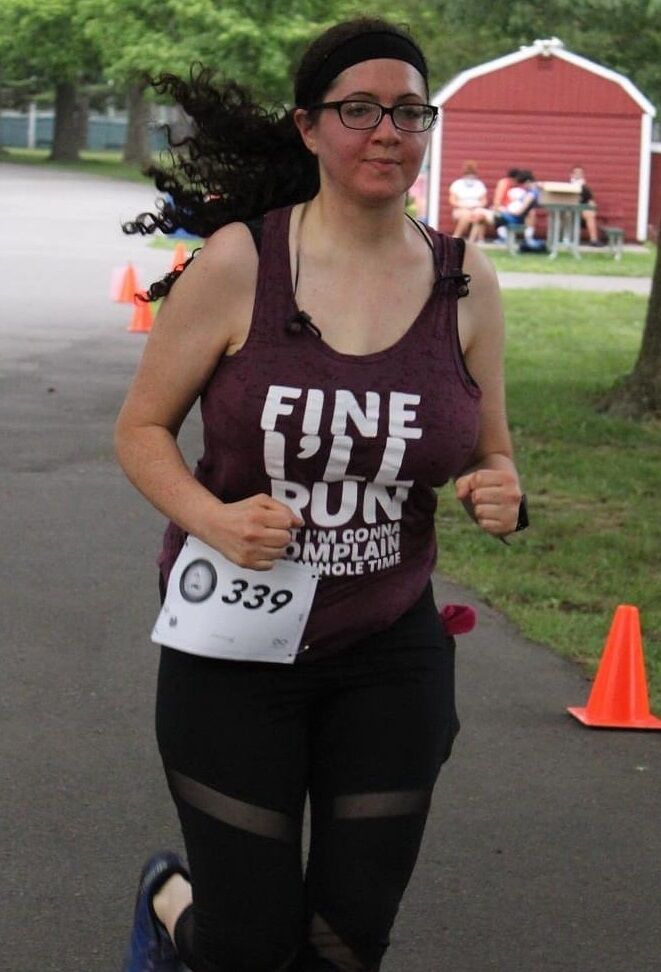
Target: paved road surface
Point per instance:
(543, 847)
(527, 281)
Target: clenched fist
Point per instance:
(254, 532)
(495, 496)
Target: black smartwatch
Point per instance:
(522, 520)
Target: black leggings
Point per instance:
(364, 733)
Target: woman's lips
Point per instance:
(383, 163)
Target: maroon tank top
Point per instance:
(355, 444)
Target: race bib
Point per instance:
(216, 609)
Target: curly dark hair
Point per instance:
(241, 159)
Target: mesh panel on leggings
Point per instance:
(327, 944)
(184, 937)
(392, 804)
(236, 813)
(330, 947)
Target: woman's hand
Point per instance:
(254, 532)
(495, 496)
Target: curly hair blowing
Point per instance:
(242, 159)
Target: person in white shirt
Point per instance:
(468, 198)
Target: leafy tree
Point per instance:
(620, 34)
(39, 39)
(253, 41)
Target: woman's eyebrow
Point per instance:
(370, 94)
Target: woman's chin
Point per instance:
(378, 195)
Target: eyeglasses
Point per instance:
(362, 115)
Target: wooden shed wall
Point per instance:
(544, 84)
(547, 115)
(550, 145)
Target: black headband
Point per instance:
(363, 47)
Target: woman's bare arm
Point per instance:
(489, 486)
(196, 323)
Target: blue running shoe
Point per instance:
(150, 948)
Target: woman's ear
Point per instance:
(306, 128)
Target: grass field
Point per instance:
(599, 263)
(108, 164)
(592, 483)
(160, 242)
(593, 262)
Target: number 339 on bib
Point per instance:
(216, 609)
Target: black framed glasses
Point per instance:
(361, 115)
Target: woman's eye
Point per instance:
(356, 109)
(410, 111)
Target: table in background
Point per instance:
(564, 227)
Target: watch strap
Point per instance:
(522, 522)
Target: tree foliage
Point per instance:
(623, 35)
(259, 41)
(256, 42)
(41, 39)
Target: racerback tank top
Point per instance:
(355, 444)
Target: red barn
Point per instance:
(546, 109)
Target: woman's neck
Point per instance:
(348, 226)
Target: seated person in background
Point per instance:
(588, 216)
(502, 188)
(517, 206)
(468, 198)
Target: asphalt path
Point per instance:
(543, 846)
(606, 285)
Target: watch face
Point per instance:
(198, 581)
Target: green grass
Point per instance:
(631, 264)
(108, 164)
(169, 243)
(598, 262)
(592, 483)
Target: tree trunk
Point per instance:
(83, 115)
(137, 148)
(639, 394)
(67, 124)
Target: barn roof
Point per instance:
(552, 47)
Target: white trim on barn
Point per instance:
(434, 178)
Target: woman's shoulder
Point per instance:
(230, 247)
(478, 265)
(236, 244)
(223, 274)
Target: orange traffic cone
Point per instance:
(618, 699)
(142, 317)
(128, 286)
(179, 256)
